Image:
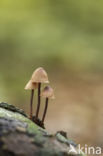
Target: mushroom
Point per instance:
(39, 76)
(31, 86)
(47, 93)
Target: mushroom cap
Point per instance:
(48, 92)
(40, 76)
(30, 85)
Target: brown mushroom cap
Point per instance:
(48, 92)
(30, 85)
(40, 76)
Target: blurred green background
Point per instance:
(66, 38)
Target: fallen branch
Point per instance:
(19, 136)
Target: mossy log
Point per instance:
(19, 136)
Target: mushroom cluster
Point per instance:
(39, 77)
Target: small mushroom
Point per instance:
(31, 86)
(39, 76)
(47, 93)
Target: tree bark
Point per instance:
(19, 136)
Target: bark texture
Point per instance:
(19, 136)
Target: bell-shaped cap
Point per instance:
(40, 76)
(48, 92)
(30, 85)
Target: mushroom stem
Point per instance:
(31, 103)
(45, 110)
(38, 105)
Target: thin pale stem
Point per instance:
(39, 100)
(45, 110)
(31, 103)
